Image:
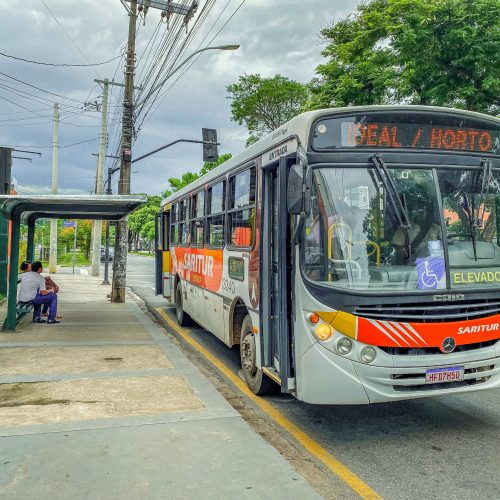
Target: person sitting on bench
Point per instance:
(32, 289)
(49, 285)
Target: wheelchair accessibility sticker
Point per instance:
(431, 273)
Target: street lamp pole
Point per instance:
(182, 64)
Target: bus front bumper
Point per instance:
(325, 377)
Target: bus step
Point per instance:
(273, 374)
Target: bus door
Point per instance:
(275, 276)
(158, 254)
(165, 262)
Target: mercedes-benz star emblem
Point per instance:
(448, 345)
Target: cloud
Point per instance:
(275, 37)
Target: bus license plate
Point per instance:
(442, 375)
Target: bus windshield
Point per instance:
(439, 233)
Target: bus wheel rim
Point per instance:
(178, 305)
(248, 354)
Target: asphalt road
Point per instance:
(443, 447)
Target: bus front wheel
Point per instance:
(254, 377)
(182, 317)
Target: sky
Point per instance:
(275, 37)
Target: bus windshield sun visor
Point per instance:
(382, 174)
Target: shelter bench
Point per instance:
(22, 309)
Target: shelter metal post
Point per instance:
(13, 274)
(106, 257)
(4, 257)
(30, 250)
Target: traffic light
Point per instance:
(210, 148)
(5, 170)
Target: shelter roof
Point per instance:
(104, 207)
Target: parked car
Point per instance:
(111, 254)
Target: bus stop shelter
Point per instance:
(27, 209)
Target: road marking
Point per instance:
(313, 447)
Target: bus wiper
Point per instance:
(469, 210)
(387, 181)
(486, 178)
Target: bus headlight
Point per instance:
(368, 354)
(323, 332)
(344, 346)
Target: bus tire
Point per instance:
(257, 382)
(182, 317)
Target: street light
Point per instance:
(183, 63)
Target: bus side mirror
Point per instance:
(295, 190)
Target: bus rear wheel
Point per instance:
(182, 317)
(254, 377)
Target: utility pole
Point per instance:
(97, 224)
(55, 174)
(5, 181)
(121, 244)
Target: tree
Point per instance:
(264, 104)
(210, 165)
(142, 221)
(66, 236)
(436, 52)
(189, 177)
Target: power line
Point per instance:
(60, 147)
(69, 38)
(41, 90)
(59, 64)
(19, 106)
(161, 95)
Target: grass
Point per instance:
(66, 260)
(145, 253)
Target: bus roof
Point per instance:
(299, 127)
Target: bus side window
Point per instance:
(165, 231)
(242, 209)
(215, 218)
(184, 221)
(198, 219)
(174, 225)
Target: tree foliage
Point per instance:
(189, 177)
(66, 237)
(435, 52)
(264, 104)
(141, 222)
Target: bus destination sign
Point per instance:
(409, 131)
(415, 136)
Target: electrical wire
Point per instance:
(161, 97)
(59, 147)
(169, 53)
(58, 64)
(40, 89)
(69, 38)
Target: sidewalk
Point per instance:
(104, 405)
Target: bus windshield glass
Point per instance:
(441, 233)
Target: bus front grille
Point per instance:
(425, 351)
(431, 312)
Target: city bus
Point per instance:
(353, 255)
